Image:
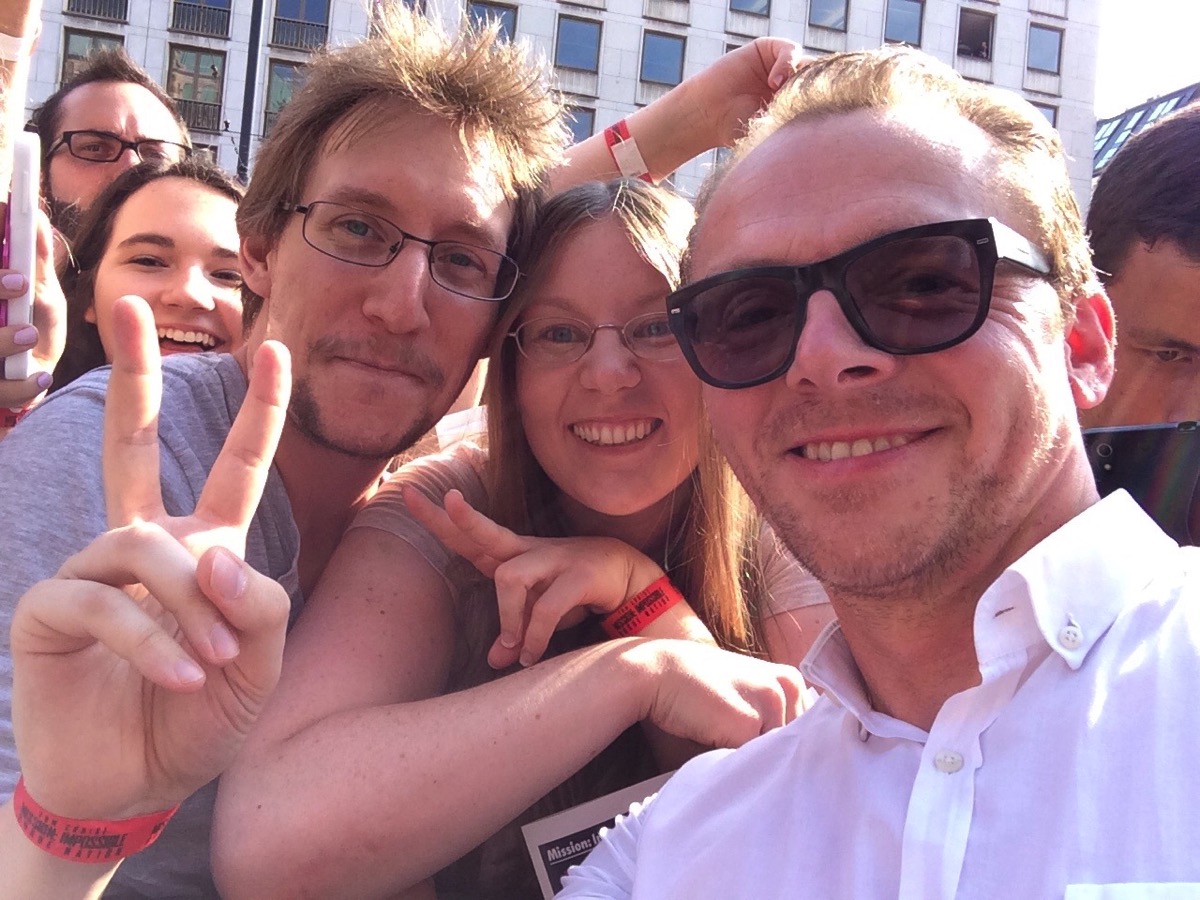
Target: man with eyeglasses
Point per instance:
(109, 116)
(890, 299)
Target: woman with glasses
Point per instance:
(165, 231)
(600, 479)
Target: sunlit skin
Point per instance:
(578, 416)
(1156, 296)
(379, 353)
(126, 110)
(907, 538)
(174, 243)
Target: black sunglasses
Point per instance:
(918, 290)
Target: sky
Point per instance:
(1147, 48)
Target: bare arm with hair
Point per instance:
(707, 110)
(363, 771)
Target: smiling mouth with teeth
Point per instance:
(612, 435)
(828, 451)
(200, 340)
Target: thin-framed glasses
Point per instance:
(558, 340)
(105, 147)
(365, 239)
(918, 290)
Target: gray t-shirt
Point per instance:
(52, 505)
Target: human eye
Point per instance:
(1172, 355)
(357, 227)
(147, 261)
(92, 145)
(651, 332)
(154, 151)
(559, 334)
(752, 307)
(231, 277)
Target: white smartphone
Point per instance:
(20, 242)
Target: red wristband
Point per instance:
(86, 840)
(632, 616)
(10, 417)
(625, 153)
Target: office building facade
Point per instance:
(609, 56)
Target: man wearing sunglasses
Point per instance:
(109, 116)
(890, 299)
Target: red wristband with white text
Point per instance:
(625, 152)
(632, 616)
(86, 840)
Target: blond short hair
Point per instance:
(1033, 165)
(489, 89)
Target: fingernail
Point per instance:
(508, 641)
(13, 281)
(25, 337)
(188, 672)
(527, 659)
(44, 380)
(228, 577)
(224, 644)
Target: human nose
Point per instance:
(609, 365)
(190, 289)
(398, 293)
(830, 354)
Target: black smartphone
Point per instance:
(1159, 465)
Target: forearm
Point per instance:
(401, 791)
(31, 873)
(669, 132)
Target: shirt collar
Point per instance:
(1068, 589)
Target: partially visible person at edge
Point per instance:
(106, 118)
(1144, 227)
(597, 442)
(890, 296)
(165, 232)
(399, 338)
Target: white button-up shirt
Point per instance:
(1072, 770)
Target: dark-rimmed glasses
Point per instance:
(558, 340)
(918, 290)
(365, 239)
(105, 147)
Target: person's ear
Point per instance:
(257, 257)
(89, 314)
(1090, 343)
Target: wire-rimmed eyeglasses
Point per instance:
(365, 239)
(106, 147)
(558, 340)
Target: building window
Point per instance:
(482, 13)
(112, 10)
(662, 58)
(301, 24)
(195, 79)
(754, 7)
(79, 45)
(209, 17)
(975, 34)
(1045, 49)
(282, 80)
(578, 44)
(205, 153)
(582, 122)
(903, 23)
(1050, 112)
(828, 14)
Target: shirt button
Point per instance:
(1070, 637)
(948, 761)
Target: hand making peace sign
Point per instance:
(140, 667)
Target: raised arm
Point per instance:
(362, 773)
(709, 109)
(140, 667)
